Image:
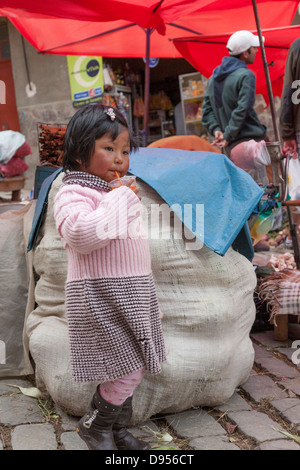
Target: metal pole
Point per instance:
(147, 87)
(267, 74)
(26, 63)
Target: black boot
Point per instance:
(95, 428)
(124, 439)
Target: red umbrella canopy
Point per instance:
(115, 28)
(206, 52)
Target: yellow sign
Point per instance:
(86, 79)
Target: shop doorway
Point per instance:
(9, 119)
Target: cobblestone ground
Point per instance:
(263, 413)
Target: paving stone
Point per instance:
(145, 430)
(71, 441)
(34, 437)
(267, 339)
(256, 425)
(287, 352)
(235, 403)
(212, 443)
(194, 423)
(7, 389)
(289, 409)
(260, 387)
(277, 367)
(292, 384)
(19, 409)
(261, 352)
(278, 445)
(68, 422)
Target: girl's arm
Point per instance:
(85, 224)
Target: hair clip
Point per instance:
(111, 114)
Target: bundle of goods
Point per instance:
(281, 262)
(109, 100)
(160, 101)
(51, 139)
(205, 330)
(281, 292)
(194, 89)
(138, 107)
(13, 150)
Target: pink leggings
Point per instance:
(117, 391)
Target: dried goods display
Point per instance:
(51, 139)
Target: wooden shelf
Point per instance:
(14, 185)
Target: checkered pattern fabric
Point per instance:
(281, 292)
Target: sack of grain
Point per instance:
(208, 308)
(14, 354)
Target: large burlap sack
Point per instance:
(207, 302)
(14, 356)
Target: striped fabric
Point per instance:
(111, 302)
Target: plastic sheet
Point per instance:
(189, 178)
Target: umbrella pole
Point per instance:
(147, 87)
(267, 74)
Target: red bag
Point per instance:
(15, 167)
(23, 151)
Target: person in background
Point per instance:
(228, 112)
(289, 122)
(113, 314)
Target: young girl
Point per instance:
(113, 314)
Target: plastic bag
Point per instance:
(294, 181)
(10, 142)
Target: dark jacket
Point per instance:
(290, 109)
(228, 103)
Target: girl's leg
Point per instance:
(117, 391)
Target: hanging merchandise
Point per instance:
(107, 79)
(138, 107)
(109, 100)
(160, 101)
(294, 181)
(122, 104)
(263, 217)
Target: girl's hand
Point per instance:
(132, 185)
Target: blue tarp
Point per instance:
(186, 178)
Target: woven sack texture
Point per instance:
(208, 310)
(14, 357)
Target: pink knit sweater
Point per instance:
(111, 303)
(102, 232)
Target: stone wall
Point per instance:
(51, 102)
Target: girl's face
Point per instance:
(110, 156)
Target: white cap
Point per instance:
(241, 41)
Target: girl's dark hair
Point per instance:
(87, 125)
